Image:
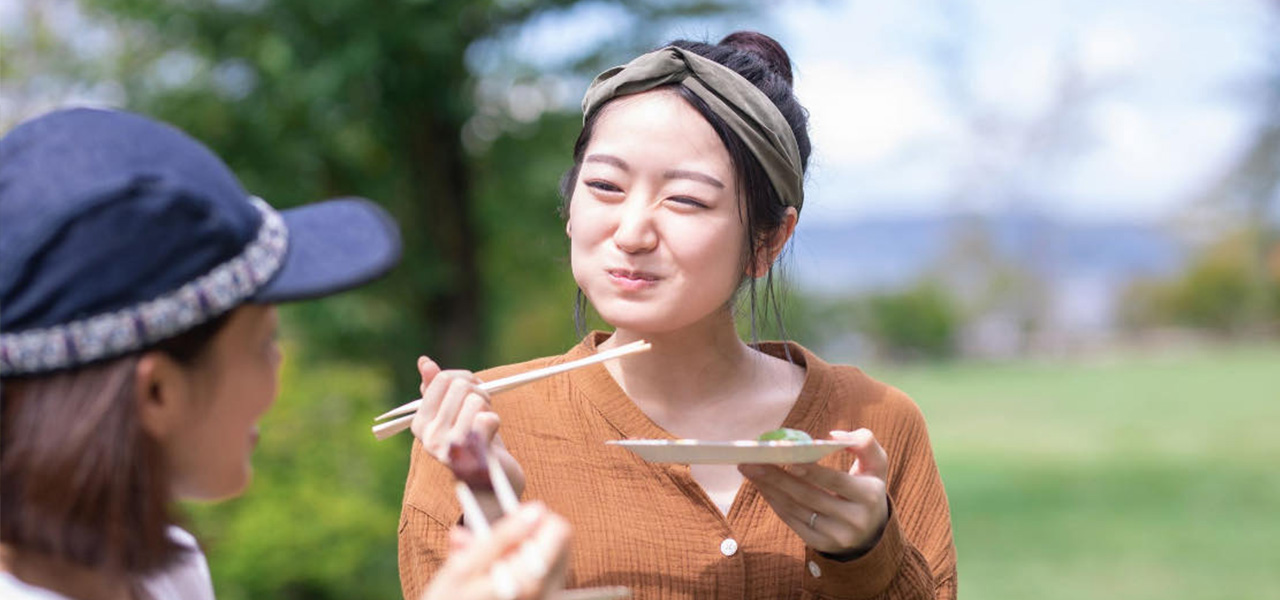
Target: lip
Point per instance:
(632, 280)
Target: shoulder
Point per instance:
(11, 588)
(188, 578)
(499, 372)
(860, 400)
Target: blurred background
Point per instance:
(1053, 223)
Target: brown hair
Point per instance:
(80, 479)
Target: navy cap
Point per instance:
(117, 231)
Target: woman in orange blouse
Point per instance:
(686, 185)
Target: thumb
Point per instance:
(870, 457)
(427, 369)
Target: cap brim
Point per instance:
(334, 245)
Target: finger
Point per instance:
(472, 405)
(796, 517)
(871, 458)
(545, 556)
(507, 535)
(450, 406)
(426, 414)
(486, 424)
(427, 370)
(460, 539)
(852, 487)
(808, 498)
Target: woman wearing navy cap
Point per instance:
(138, 351)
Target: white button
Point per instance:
(814, 569)
(729, 547)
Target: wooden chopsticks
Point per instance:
(389, 428)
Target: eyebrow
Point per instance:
(610, 159)
(694, 175)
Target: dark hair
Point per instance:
(80, 480)
(762, 61)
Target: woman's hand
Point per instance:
(525, 558)
(452, 405)
(832, 511)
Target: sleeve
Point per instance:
(428, 513)
(915, 557)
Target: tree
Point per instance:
(316, 98)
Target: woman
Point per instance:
(686, 186)
(138, 351)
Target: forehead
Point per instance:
(659, 125)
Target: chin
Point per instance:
(638, 321)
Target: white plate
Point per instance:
(691, 452)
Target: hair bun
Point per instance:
(763, 46)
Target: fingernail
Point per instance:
(750, 470)
(800, 470)
(422, 360)
(838, 433)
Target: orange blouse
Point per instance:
(652, 528)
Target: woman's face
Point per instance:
(230, 386)
(656, 232)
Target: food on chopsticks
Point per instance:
(469, 461)
(785, 434)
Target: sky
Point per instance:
(1098, 110)
(1115, 110)
(914, 108)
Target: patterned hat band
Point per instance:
(136, 327)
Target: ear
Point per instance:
(568, 228)
(772, 246)
(163, 393)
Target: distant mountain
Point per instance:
(1084, 268)
(886, 253)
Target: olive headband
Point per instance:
(747, 110)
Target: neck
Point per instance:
(62, 577)
(693, 375)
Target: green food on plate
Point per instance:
(785, 434)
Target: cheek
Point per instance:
(588, 226)
(715, 251)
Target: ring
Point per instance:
(813, 519)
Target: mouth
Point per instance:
(632, 275)
(629, 279)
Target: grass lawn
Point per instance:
(1134, 478)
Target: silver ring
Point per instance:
(813, 519)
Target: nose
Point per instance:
(635, 233)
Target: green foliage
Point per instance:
(1221, 292)
(920, 322)
(309, 99)
(1135, 478)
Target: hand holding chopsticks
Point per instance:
(389, 428)
(532, 567)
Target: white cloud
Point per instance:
(1150, 164)
(887, 136)
(860, 116)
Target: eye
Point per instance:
(603, 186)
(687, 201)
